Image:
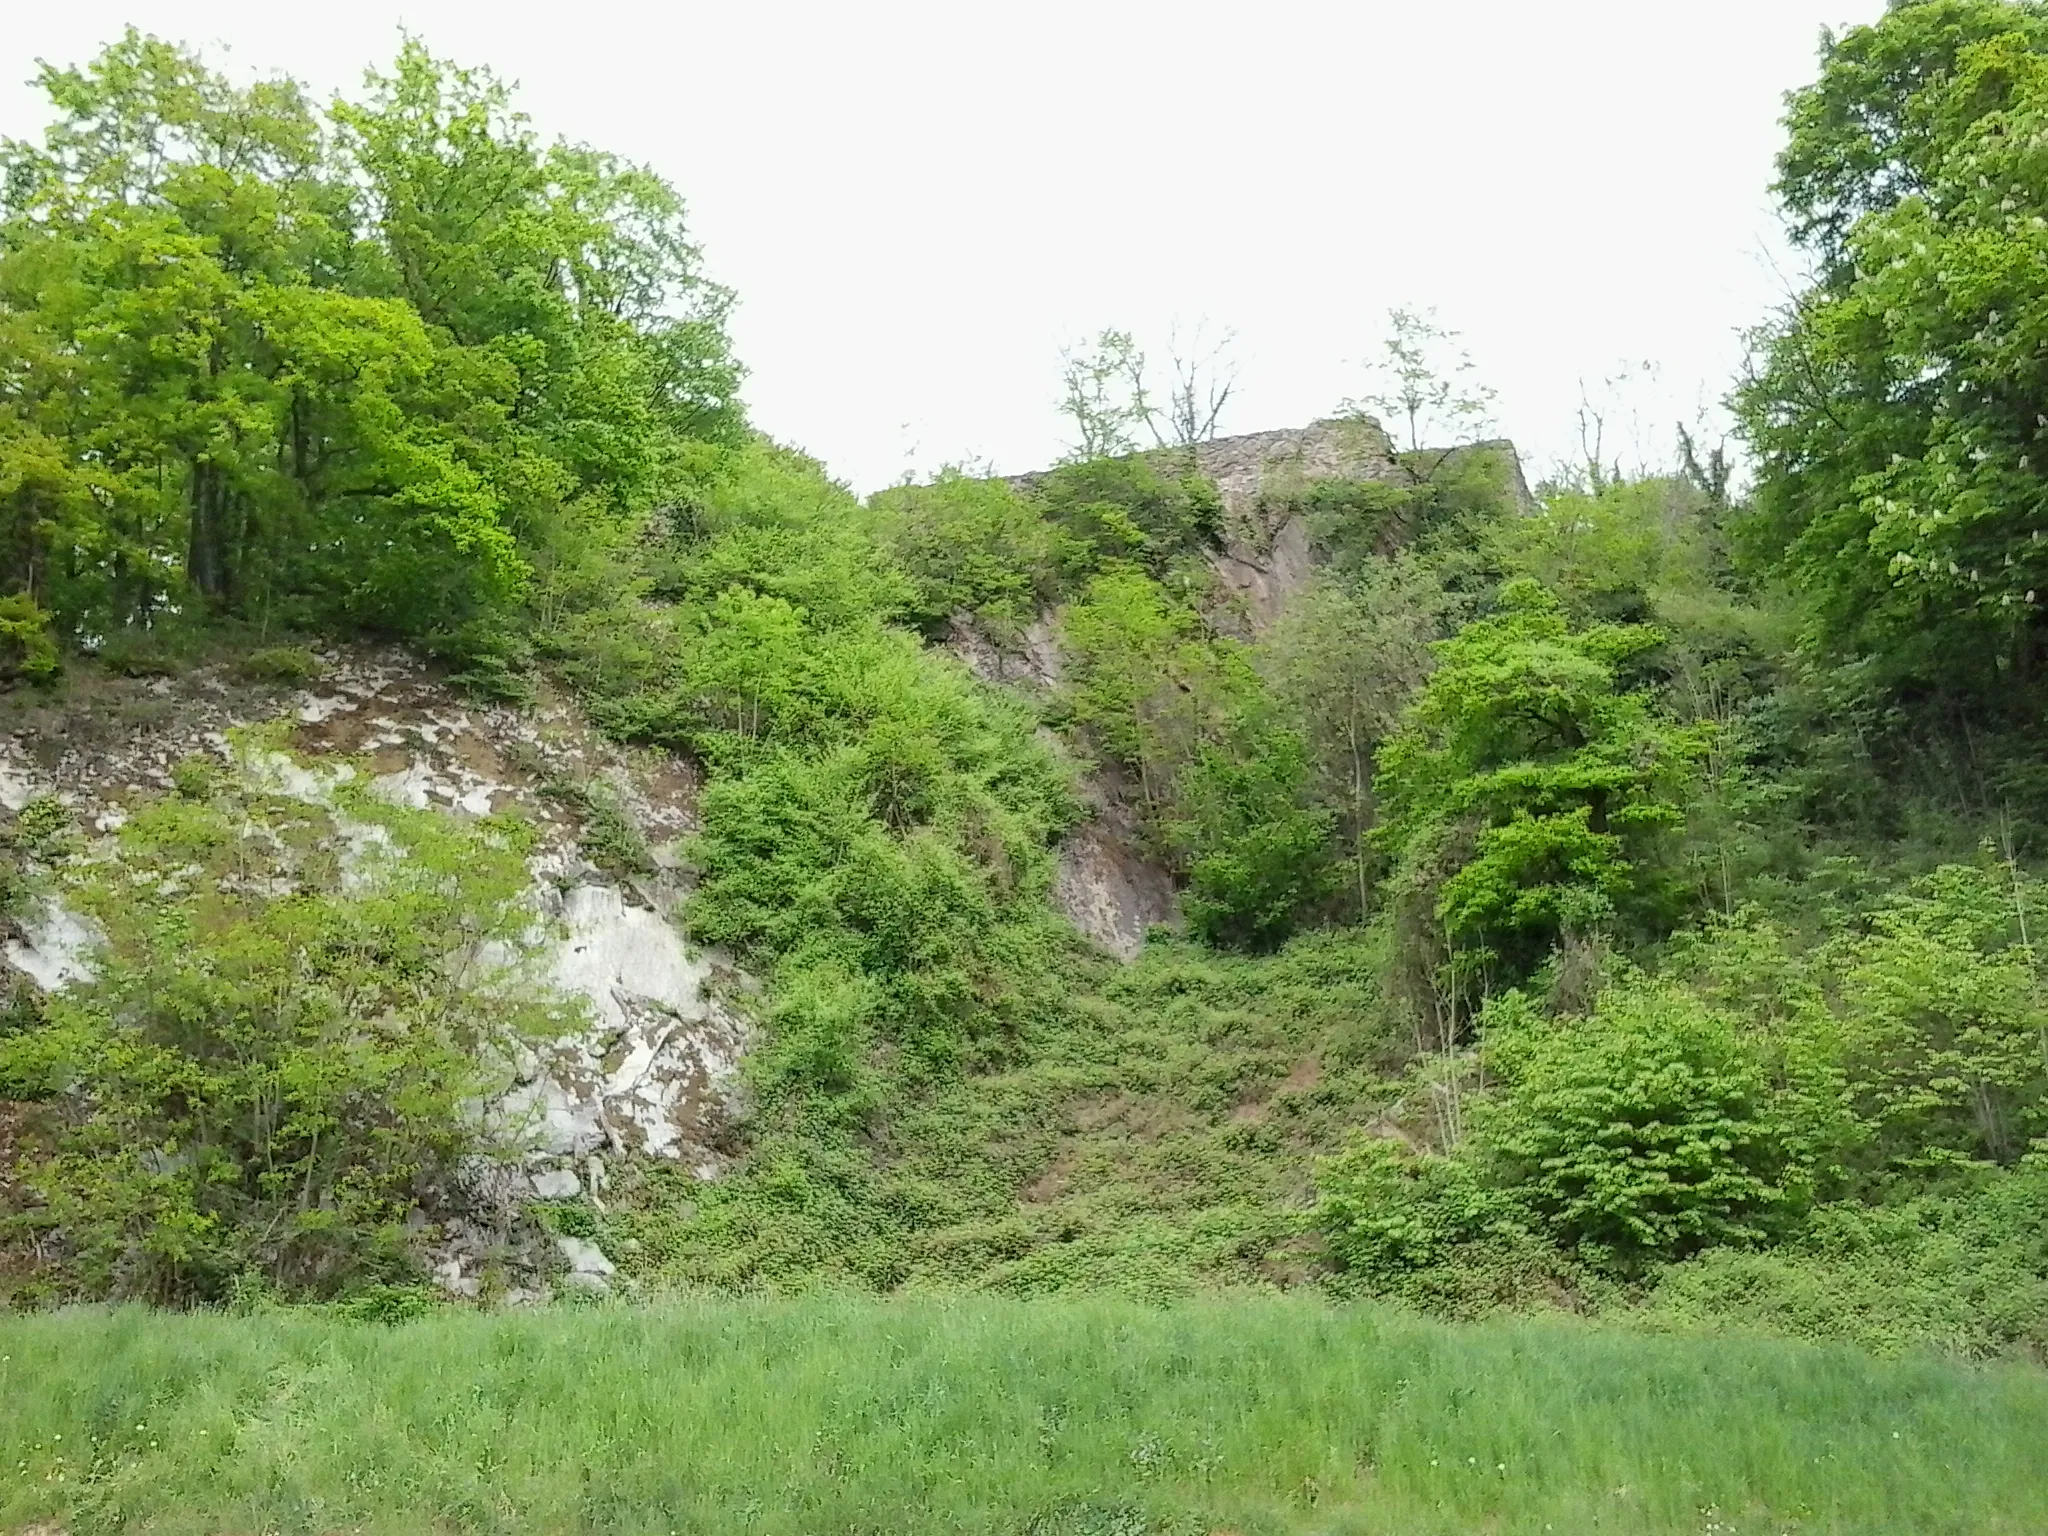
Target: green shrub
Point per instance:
(44, 828)
(609, 837)
(293, 664)
(1644, 1131)
(1945, 1022)
(1259, 851)
(973, 546)
(195, 777)
(166, 646)
(391, 1304)
(1386, 1212)
(491, 663)
(1962, 1268)
(27, 649)
(1133, 507)
(258, 1087)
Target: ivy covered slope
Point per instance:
(1623, 897)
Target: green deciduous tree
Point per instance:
(1945, 1022)
(1343, 661)
(1611, 552)
(1258, 845)
(1529, 789)
(1123, 634)
(1421, 384)
(1103, 393)
(1897, 406)
(1150, 508)
(399, 367)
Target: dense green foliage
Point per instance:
(875, 841)
(1002, 551)
(1622, 896)
(1896, 405)
(1526, 787)
(397, 365)
(1644, 1130)
(257, 1088)
(1140, 1130)
(1081, 1417)
(1832, 1090)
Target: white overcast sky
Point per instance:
(921, 203)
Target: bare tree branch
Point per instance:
(1204, 378)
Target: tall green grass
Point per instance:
(1084, 1417)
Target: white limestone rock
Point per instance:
(56, 946)
(659, 1057)
(588, 1267)
(556, 1184)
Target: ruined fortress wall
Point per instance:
(1265, 556)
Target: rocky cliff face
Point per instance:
(650, 1069)
(1106, 885)
(1264, 554)
(1266, 558)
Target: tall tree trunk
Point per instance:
(206, 554)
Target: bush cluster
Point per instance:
(276, 1061)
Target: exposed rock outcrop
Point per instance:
(1265, 558)
(652, 1070)
(1107, 885)
(1104, 883)
(54, 946)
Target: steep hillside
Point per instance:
(303, 757)
(1147, 1131)
(561, 971)
(1265, 861)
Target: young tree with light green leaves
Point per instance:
(1422, 385)
(1529, 795)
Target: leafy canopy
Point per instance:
(1528, 791)
(1895, 407)
(395, 366)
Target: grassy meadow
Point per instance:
(1084, 1417)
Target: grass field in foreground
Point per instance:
(1058, 1418)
